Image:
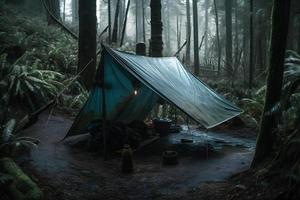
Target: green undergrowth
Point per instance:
(252, 100)
(36, 62)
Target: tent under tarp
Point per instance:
(133, 84)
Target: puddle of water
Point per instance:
(56, 161)
(214, 140)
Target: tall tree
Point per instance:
(245, 32)
(251, 46)
(188, 33)
(64, 10)
(139, 18)
(87, 41)
(206, 31)
(236, 36)
(116, 26)
(156, 43)
(109, 20)
(74, 11)
(168, 26)
(299, 34)
(228, 19)
(136, 22)
(121, 16)
(217, 35)
(178, 31)
(143, 22)
(267, 137)
(125, 23)
(196, 49)
(259, 40)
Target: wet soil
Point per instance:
(68, 173)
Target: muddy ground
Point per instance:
(69, 173)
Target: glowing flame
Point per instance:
(135, 92)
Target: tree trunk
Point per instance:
(140, 49)
(121, 16)
(206, 32)
(136, 22)
(64, 10)
(125, 23)
(74, 11)
(251, 71)
(188, 33)
(109, 20)
(168, 40)
(217, 36)
(178, 31)
(143, 22)
(99, 18)
(228, 16)
(245, 22)
(54, 8)
(196, 50)
(260, 46)
(139, 21)
(156, 43)
(87, 41)
(236, 37)
(299, 34)
(266, 137)
(116, 26)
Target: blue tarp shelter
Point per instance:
(133, 84)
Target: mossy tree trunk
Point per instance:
(228, 19)
(156, 43)
(268, 127)
(87, 41)
(21, 187)
(217, 36)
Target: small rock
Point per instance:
(239, 186)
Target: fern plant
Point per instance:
(289, 105)
(28, 83)
(254, 106)
(10, 142)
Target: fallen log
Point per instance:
(22, 187)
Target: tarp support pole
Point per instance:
(104, 125)
(105, 155)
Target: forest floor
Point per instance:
(68, 173)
